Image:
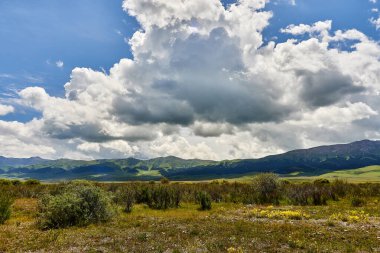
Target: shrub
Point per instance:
(340, 188)
(159, 196)
(5, 182)
(321, 181)
(126, 197)
(80, 182)
(319, 195)
(77, 205)
(164, 197)
(303, 194)
(176, 196)
(32, 182)
(164, 180)
(204, 200)
(16, 182)
(266, 187)
(357, 202)
(298, 194)
(6, 202)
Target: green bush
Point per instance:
(204, 200)
(163, 197)
(266, 188)
(158, 196)
(127, 198)
(6, 202)
(77, 205)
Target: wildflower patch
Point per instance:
(350, 216)
(271, 213)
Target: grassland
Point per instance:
(188, 230)
(369, 174)
(361, 175)
(366, 174)
(227, 227)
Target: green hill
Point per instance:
(366, 174)
(318, 161)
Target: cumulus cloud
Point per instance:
(208, 129)
(351, 34)
(6, 109)
(325, 87)
(202, 83)
(22, 140)
(320, 27)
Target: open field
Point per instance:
(265, 215)
(369, 174)
(361, 175)
(231, 227)
(366, 174)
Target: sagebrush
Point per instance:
(77, 205)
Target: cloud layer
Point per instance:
(202, 83)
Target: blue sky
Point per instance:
(35, 35)
(345, 14)
(42, 41)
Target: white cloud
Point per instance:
(121, 146)
(59, 64)
(373, 1)
(202, 84)
(351, 34)
(89, 147)
(180, 146)
(375, 22)
(6, 109)
(320, 27)
(334, 116)
(23, 140)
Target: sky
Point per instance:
(90, 79)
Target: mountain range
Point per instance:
(303, 162)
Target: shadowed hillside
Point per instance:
(305, 162)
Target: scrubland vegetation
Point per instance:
(265, 215)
